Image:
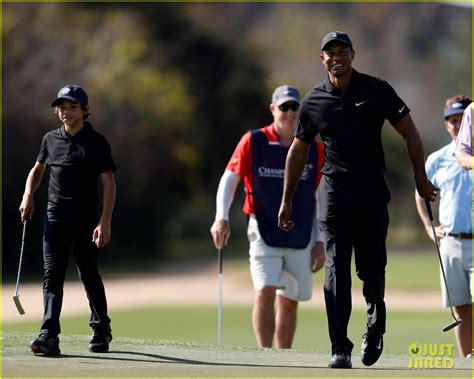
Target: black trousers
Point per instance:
(67, 230)
(353, 215)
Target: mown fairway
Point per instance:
(199, 325)
(151, 358)
(180, 340)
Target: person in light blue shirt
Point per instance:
(464, 140)
(455, 229)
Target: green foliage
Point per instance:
(165, 103)
(173, 87)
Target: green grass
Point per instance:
(142, 348)
(414, 269)
(199, 325)
(158, 358)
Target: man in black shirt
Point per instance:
(348, 110)
(77, 156)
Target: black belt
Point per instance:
(464, 236)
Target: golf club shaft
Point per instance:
(219, 300)
(428, 207)
(21, 259)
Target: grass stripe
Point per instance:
(199, 325)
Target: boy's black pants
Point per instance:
(67, 230)
(353, 214)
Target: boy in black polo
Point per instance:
(77, 156)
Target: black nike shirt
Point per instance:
(76, 163)
(350, 123)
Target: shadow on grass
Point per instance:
(164, 359)
(155, 358)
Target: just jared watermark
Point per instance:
(430, 355)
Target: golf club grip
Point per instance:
(428, 208)
(219, 258)
(24, 231)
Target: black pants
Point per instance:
(353, 215)
(69, 230)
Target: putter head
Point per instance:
(452, 325)
(16, 300)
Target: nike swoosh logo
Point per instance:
(379, 345)
(362, 102)
(401, 109)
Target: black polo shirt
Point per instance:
(350, 123)
(76, 163)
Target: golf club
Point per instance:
(456, 321)
(16, 298)
(219, 299)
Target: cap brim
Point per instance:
(59, 99)
(454, 112)
(287, 98)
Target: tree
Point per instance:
(167, 106)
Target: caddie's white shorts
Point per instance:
(456, 255)
(287, 269)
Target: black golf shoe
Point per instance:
(340, 361)
(45, 345)
(371, 348)
(100, 341)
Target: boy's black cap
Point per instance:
(456, 108)
(336, 36)
(71, 92)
